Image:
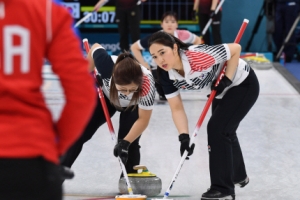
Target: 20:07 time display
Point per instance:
(101, 17)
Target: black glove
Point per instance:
(185, 144)
(194, 15)
(121, 150)
(212, 14)
(65, 172)
(225, 82)
(99, 80)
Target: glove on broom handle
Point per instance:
(96, 8)
(101, 95)
(106, 113)
(204, 112)
(222, 72)
(210, 20)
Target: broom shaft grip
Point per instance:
(203, 114)
(108, 120)
(210, 20)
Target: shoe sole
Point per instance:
(243, 183)
(230, 197)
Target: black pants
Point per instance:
(29, 179)
(215, 26)
(226, 161)
(127, 119)
(128, 21)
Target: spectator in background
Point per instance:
(206, 10)
(286, 12)
(30, 142)
(128, 18)
(169, 24)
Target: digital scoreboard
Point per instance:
(151, 12)
(101, 26)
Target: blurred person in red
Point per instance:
(30, 141)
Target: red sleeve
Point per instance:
(66, 58)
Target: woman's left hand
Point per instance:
(121, 150)
(184, 139)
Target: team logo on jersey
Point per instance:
(202, 76)
(197, 83)
(73, 8)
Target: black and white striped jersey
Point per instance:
(201, 64)
(105, 63)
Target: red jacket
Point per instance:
(31, 30)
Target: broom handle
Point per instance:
(107, 117)
(203, 114)
(210, 20)
(96, 8)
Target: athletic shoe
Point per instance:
(216, 195)
(242, 183)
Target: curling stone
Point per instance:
(143, 182)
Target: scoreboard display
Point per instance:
(151, 12)
(101, 27)
(80, 8)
